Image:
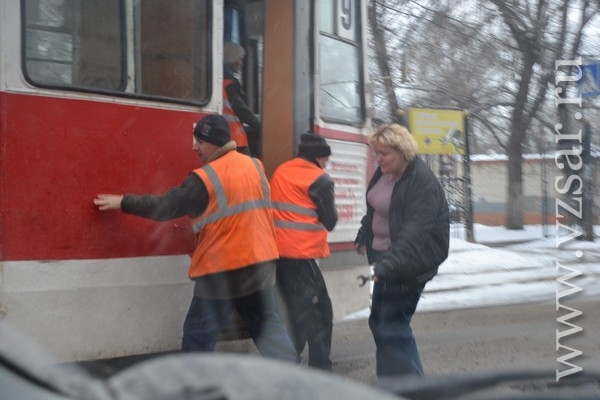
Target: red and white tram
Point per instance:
(99, 96)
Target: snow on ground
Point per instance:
(507, 267)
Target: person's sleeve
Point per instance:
(240, 108)
(322, 193)
(361, 237)
(190, 198)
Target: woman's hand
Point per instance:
(360, 249)
(108, 201)
(359, 242)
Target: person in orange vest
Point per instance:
(235, 109)
(233, 263)
(304, 211)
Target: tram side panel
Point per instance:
(85, 284)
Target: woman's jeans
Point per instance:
(393, 306)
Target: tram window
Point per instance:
(171, 58)
(74, 43)
(340, 81)
(340, 86)
(82, 45)
(327, 14)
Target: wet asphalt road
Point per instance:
(464, 342)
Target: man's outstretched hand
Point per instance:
(108, 201)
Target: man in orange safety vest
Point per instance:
(304, 210)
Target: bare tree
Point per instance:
(391, 24)
(544, 32)
(494, 59)
(382, 56)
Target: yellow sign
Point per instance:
(437, 131)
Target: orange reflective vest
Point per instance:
(236, 229)
(299, 232)
(236, 128)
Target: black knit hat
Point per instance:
(313, 146)
(212, 129)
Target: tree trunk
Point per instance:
(514, 204)
(381, 55)
(519, 126)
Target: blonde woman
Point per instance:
(405, 235)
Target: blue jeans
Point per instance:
(393, 306)
(258, 311)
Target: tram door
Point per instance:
(244, 24)
(278, 69)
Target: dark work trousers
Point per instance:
(259, 313)
(392, 308)
(308, 308)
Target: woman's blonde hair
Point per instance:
(397, 137)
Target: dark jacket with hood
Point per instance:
(419, 227)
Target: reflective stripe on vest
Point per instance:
(236, 128)
(224, 210)
(301, 226)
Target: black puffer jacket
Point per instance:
(419, 226)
